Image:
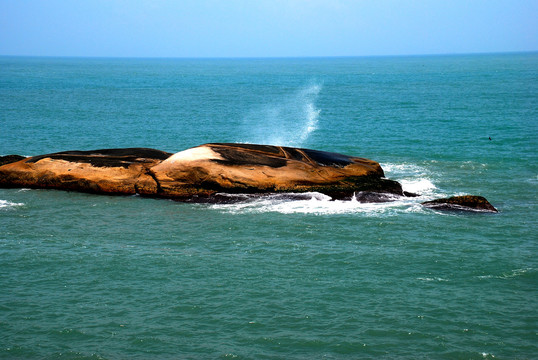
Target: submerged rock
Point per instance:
(202, 172)
(461, 203)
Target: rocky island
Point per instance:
(202, 173)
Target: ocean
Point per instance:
(110, 277)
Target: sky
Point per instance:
(265, 28)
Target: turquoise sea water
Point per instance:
(103, 277)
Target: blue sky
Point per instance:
(265, 28)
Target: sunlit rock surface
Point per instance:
(201, 173)
(107, 171)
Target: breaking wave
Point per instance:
(414, 179)
(6, 205)
(316, 204)
(511, 274)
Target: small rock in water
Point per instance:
(461, 203)
(374, 197)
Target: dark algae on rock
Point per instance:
(107, 157)
(8, 159)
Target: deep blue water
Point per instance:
(87, 276)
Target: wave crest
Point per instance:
(6, 205)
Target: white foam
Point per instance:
(314, 203)
(5, 204)
(432, 279)
(422, 186)
(414, 178)
(194, 154)
(508, 275)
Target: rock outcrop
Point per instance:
(107, 171)
(202, 172)
(461, 203)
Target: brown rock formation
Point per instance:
(107, 171)
(244, 168)
(199, 173)
(461, 203)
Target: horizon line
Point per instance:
(267, 57)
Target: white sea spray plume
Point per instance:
(288, 121)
